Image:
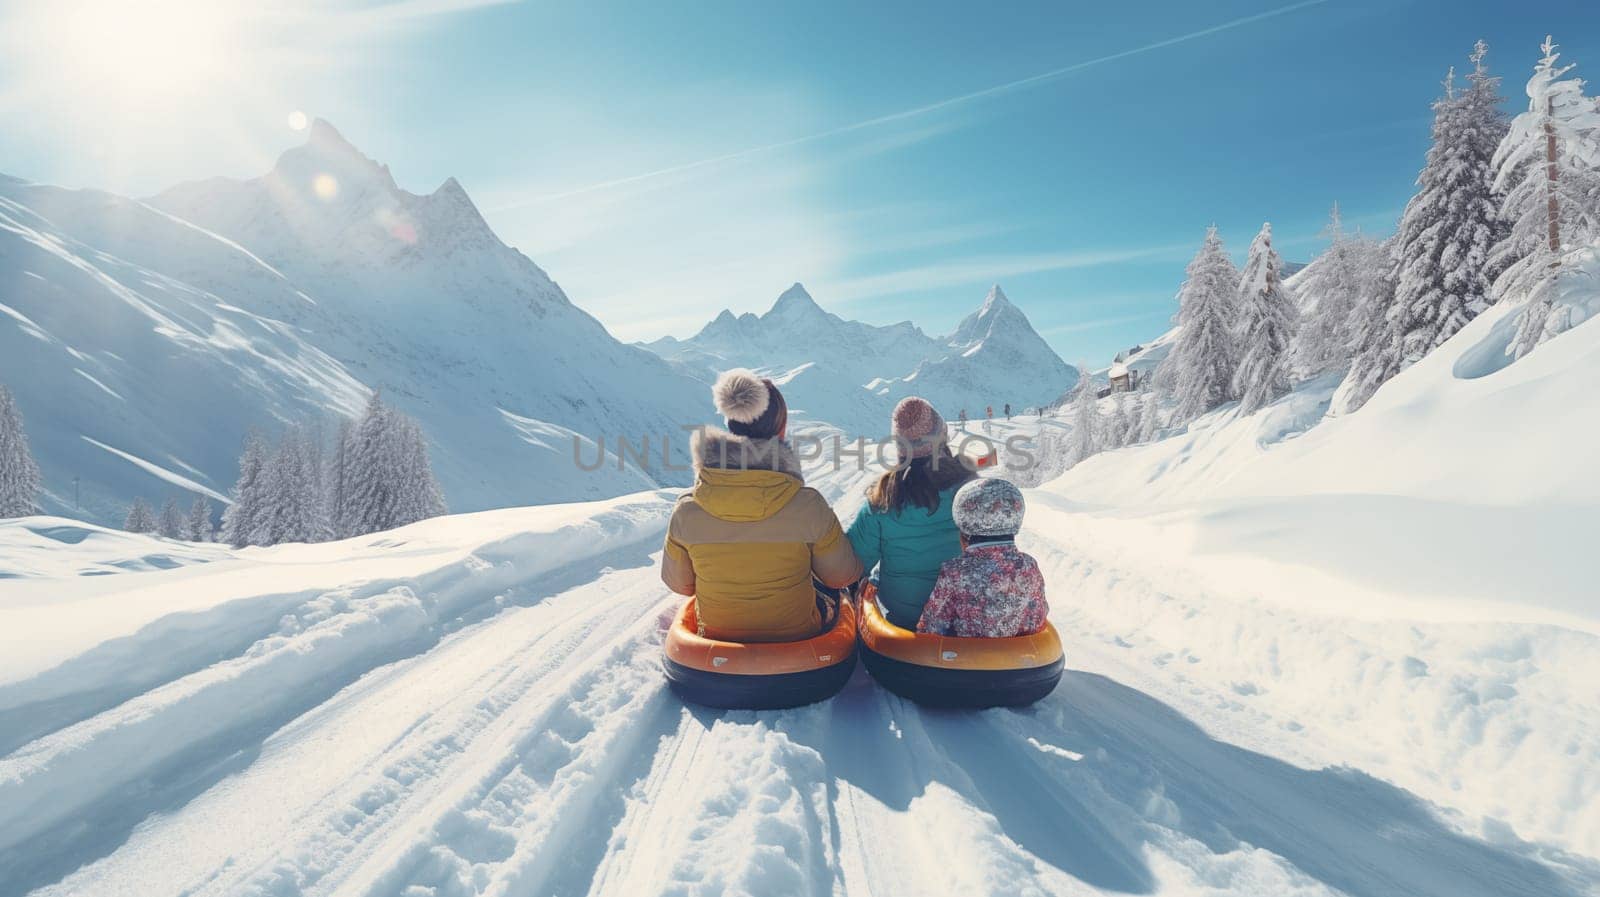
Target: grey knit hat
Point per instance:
(917, 427)
(988, 506)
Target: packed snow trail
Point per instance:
(529, 746)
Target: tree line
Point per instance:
(375, 476)
(1504, 211)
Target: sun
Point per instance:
(150, 51)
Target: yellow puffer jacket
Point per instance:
(747, 540)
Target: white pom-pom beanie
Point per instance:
(752, 404)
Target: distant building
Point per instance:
(1122, 378)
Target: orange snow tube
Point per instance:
(758, 675)
(945, 671)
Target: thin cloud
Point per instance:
(989, 269)
(916, 111)
(1098, 323)
(404, 10)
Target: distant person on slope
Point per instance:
(905, 530)
(992, 590)
(748, 539)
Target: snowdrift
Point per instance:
(1420, 570)
(475, 705)
(1469, 477)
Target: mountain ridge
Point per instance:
(851, 373)
(288, 296)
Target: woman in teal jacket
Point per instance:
(905, 529)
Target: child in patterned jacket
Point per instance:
(991, 590)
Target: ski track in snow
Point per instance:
(537, 751)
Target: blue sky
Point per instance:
(895, 157)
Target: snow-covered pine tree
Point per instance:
(1450, 226)
(170, 524)
(1135, 412)
(369, 495)
(1119, 425)
(242, 522)
(321, 523)
(1330, 292)
(420, 494)
(19, 475)
(1201, 366)
(1549, 167)
(1376, 347)
(293, 509)
(198, 528)
(139, 519)
(336, 482)
(1148, 418)
(1085, 419)
(389, 481)
(1266, 326)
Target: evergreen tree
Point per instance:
(370, 498)
(1376, 349)
(1549, 167)
(198, 528)
(170, 524)
(1205, 355)
(139, 519)
(320, 527)
(420, 494)
(1133, 410)
(243, 523)
(1266, 329)
(1449, 227)
(1148, 419)
(19, 475)
(1118, 427)
(1085, 419)
(337, 482)
(292, 511)
(389, 482)
(1330, 291)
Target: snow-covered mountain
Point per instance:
(993, 357)
(143, 338)
(851, 373)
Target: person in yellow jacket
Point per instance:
(750, 536)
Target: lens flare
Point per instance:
(298, 120)
(325, 186)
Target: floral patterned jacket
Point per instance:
(991, 590)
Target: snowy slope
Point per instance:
(223, 304)
(1448, 526)
(474, 705)
(850, 374)
(140, 348)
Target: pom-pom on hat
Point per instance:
(917, 427)
(752, 404)
(989, 506)
(740, 395)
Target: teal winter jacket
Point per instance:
(907, 548)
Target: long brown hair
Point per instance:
(919, 483)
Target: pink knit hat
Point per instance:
(917, 426)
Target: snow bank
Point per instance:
(1409, 588)
(114, 683)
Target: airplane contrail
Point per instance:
(985, 93)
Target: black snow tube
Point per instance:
(943, 671)
(758, 675)
(935, 687)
